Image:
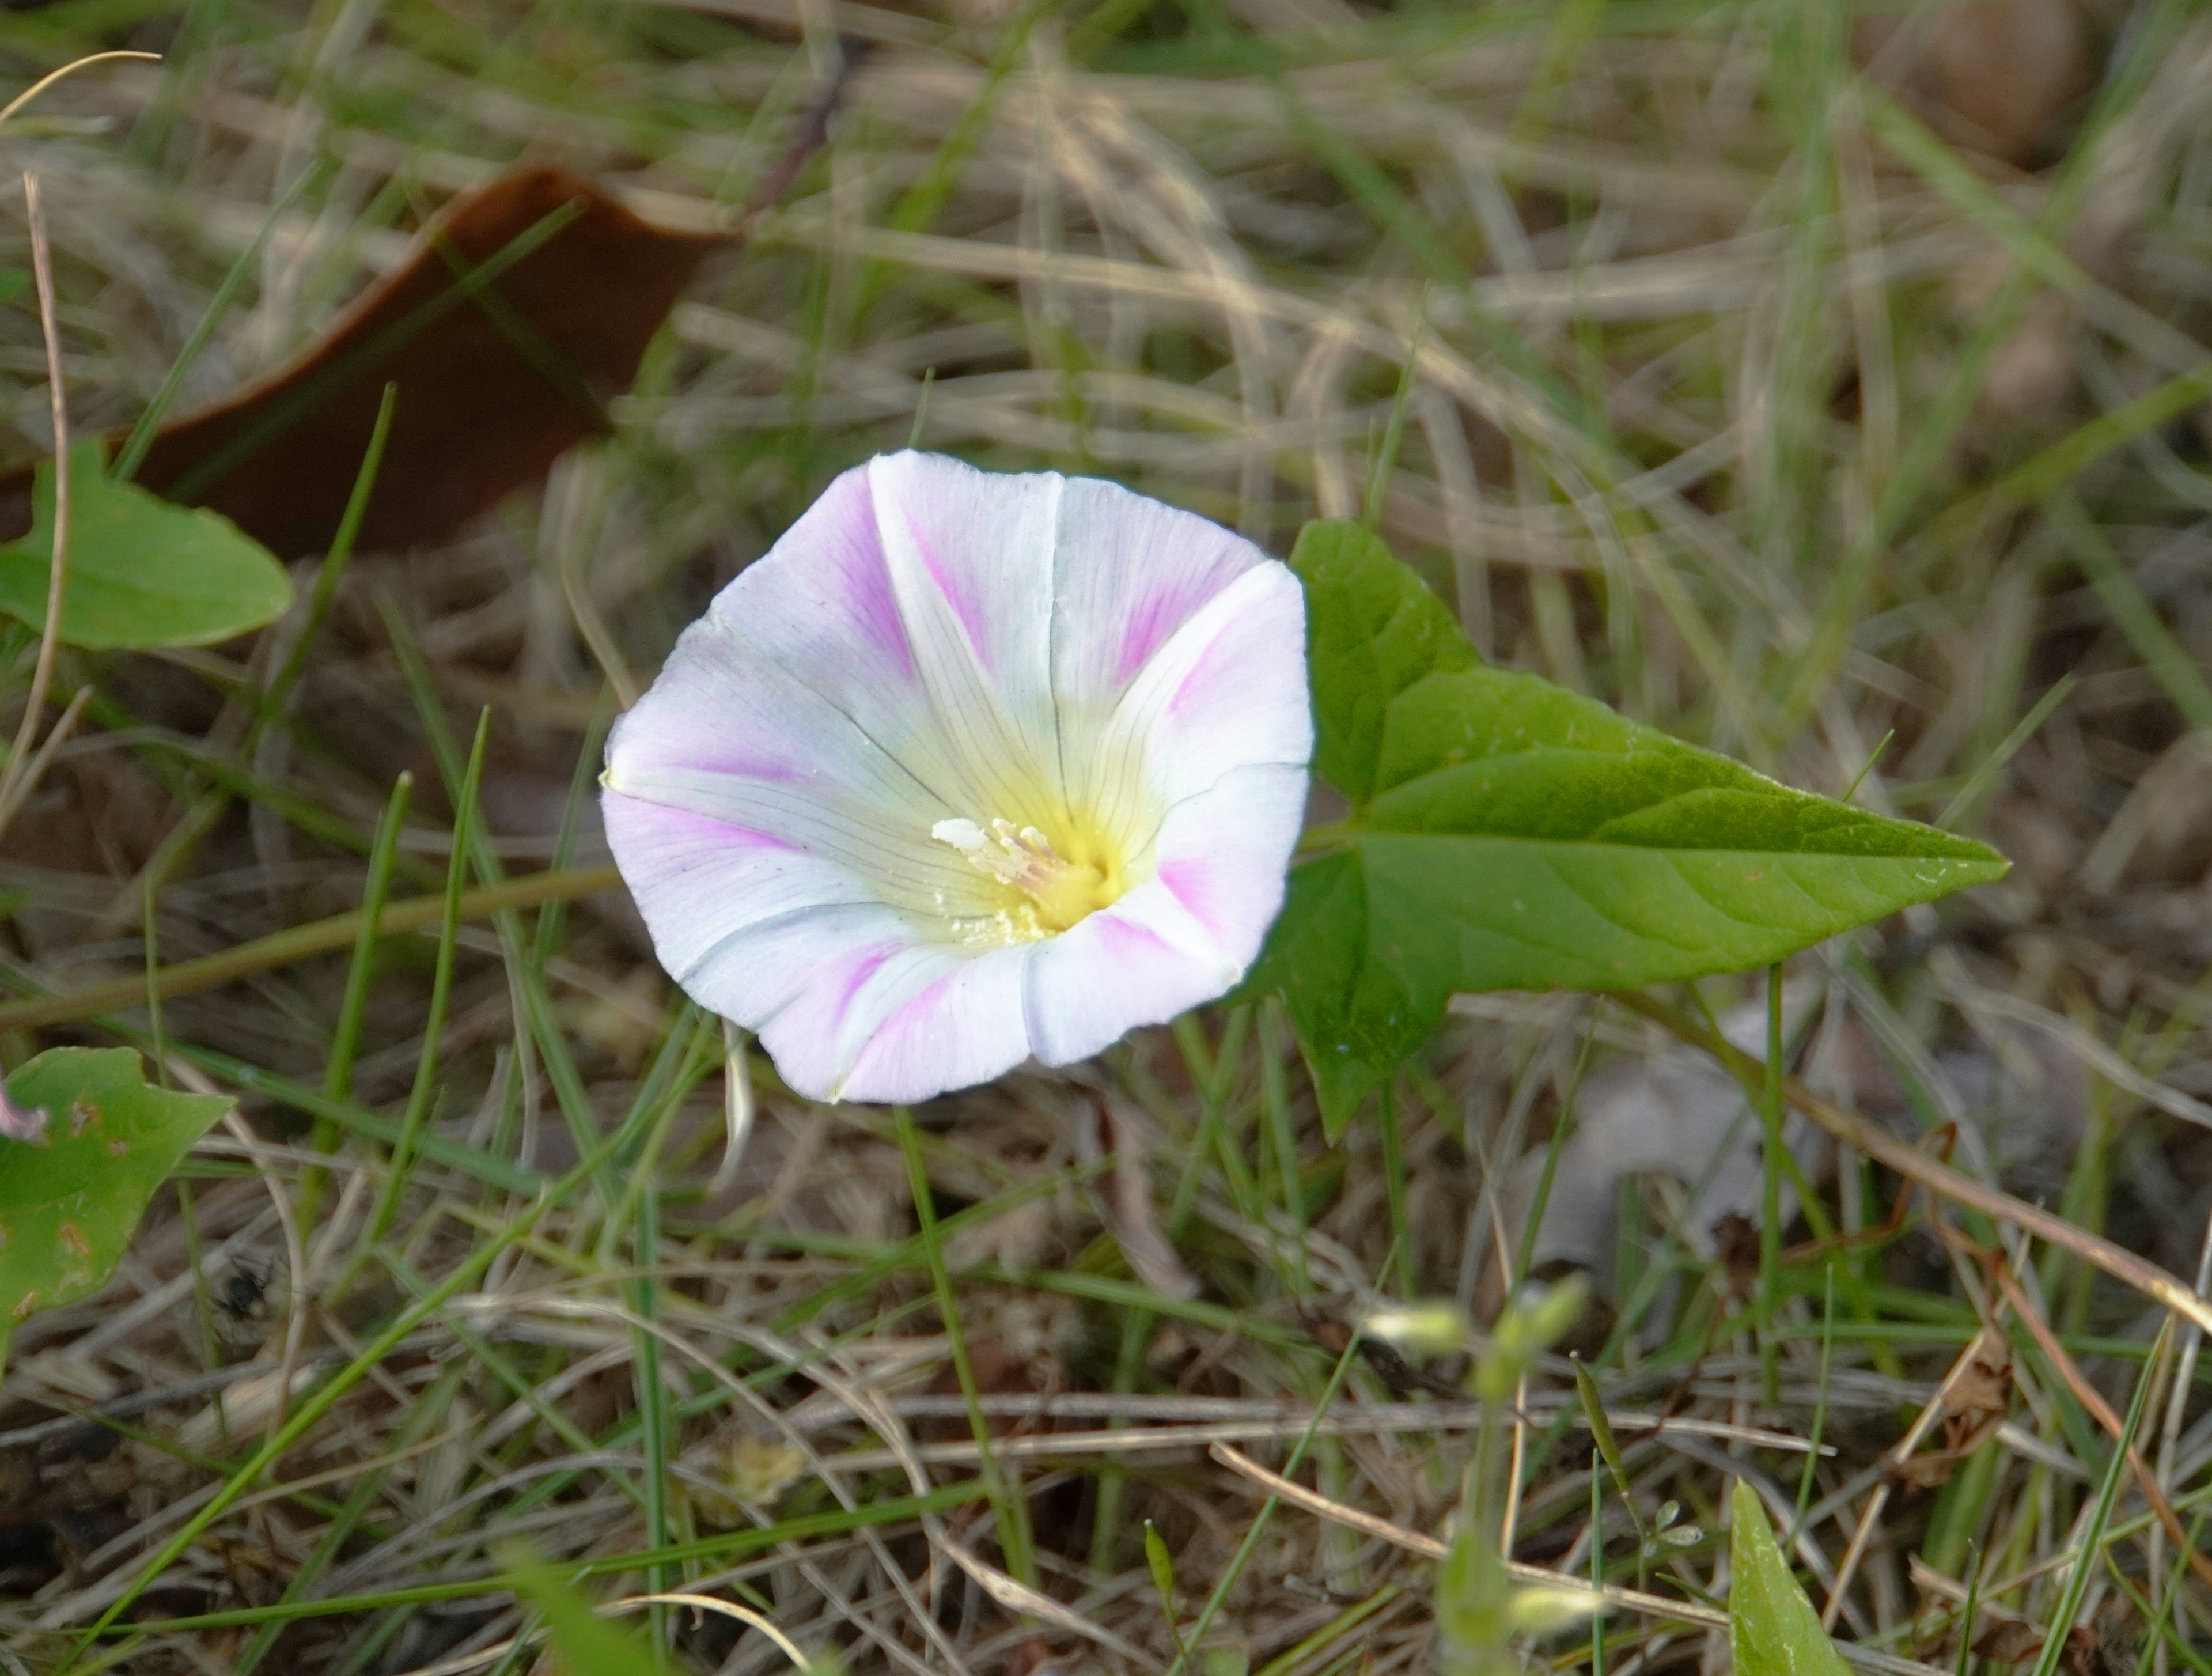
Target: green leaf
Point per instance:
(142, 571)
(584, 1644)
(70, 1198)
(1773, 1628)
(1373, 631)
(1507, 833)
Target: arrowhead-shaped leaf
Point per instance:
(71, 1198)
(141, 571)
(1772, 1626)
(1508, 834)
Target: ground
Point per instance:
(1828, 391)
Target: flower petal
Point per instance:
(1228, 690)
(898, 1022)
(969, 555)
(1183, 937)
(1127, 572)
(738, 918)
(728, 735)
(1223, 855)
(965, 1027)
(820, 603)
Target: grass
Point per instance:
(1699, 370)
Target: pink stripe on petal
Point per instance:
(865, 965)
(1157, 616)
(1189, 883)
(868, 580)
(759, 769)
(967, 608)
(1215, 667)
(1122, 937)
(719, 832)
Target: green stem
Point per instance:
(1770, 1202)
(1012, 1514)
(285, 948)
(1196, 1635)
(441, 992)
(319, 1402)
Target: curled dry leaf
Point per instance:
(1971, 1414)
(524, 308)
(2016, 1640)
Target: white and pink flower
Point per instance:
(968, 769)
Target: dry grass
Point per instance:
(1718, 409)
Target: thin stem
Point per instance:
(1195, 1636)
(1917, 1167)
(1770, 1201)
(50, 632)
(1393, 1187)
(1012, 1514)
(441, 990)
(301, 942)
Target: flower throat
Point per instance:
(1042, 889)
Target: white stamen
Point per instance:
(965, 835)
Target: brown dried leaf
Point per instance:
(1971, 1413)
(2016, 1640)
(524, 308)
(1992, 75)
(492, 388)
(1978, 1399)
(2009, 1641)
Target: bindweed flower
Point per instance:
(18, 1123)
(967, 769)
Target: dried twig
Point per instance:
(42, 673)
(1900, 1451)
(1915, 1166)
(1610, 1594)
(2094, 1400)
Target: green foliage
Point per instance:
(1161, 1563)
(1507, 833)
(1772, 1626)
(583, 1642)
(142, 571)
(70, 1198)
(1474, 1605)
(1481, 1610)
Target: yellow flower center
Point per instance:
(1041, 883)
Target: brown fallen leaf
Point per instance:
(1993, 74)
(1979, 1397)
(1735, 1244)
(496, 377)
(2015, 1641)
(524, 309)
(1971, 1414)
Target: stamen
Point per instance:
(1050, 892)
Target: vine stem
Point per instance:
(1917, 1167)
(317, 936)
